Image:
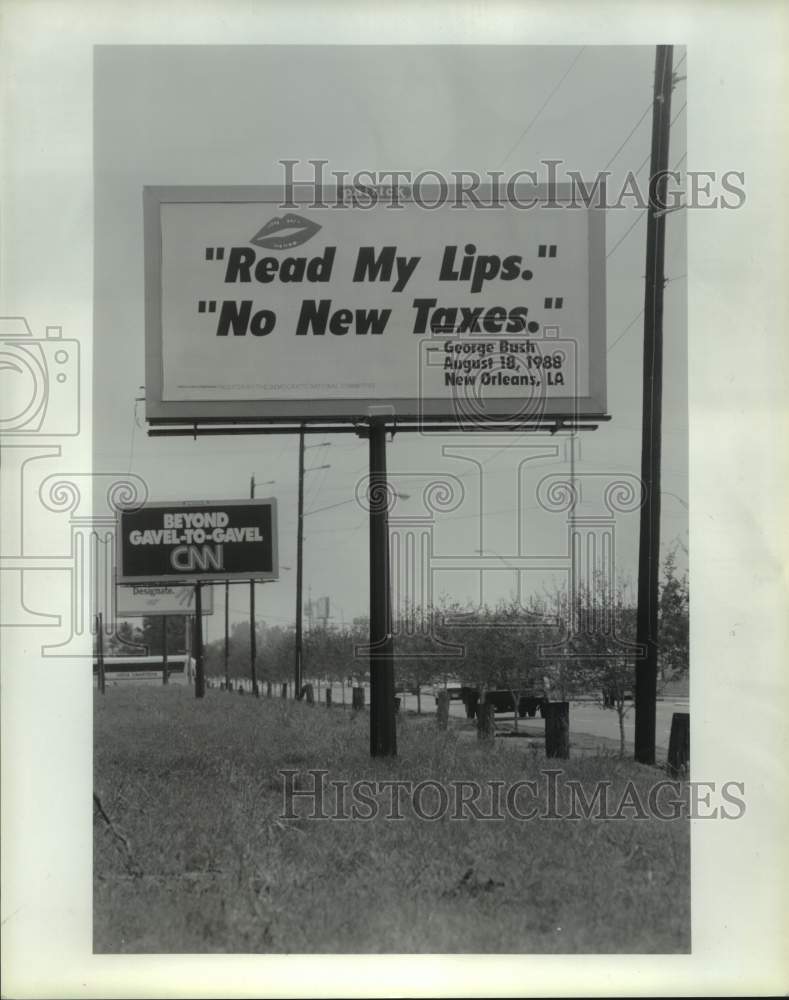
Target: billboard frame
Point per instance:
(204, 576)
(406, 411)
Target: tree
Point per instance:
(673, 620)
(328, 652)
(152, 633)
(416, 660)
(125, 640)
(602, 629)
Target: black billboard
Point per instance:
(165, 542)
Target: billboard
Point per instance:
(256, 311)
(143, 599)
(222, 540)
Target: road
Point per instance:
(586, 717)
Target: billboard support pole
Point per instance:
(198, 643)
(299, 571)
(649, 534)
(165, 678)
(227, 635)
(383, 733)
(253, 642)
(253, 652)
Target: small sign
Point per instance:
(160, 599)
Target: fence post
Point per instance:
(309, 691)
(284, 690)
(442, 709)
(486, 722)
(557, 729)
(679, 744)
(328, 697)
(357, 696)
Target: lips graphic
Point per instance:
(287, 231)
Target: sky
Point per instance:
(216, 115)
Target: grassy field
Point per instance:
(191, 853)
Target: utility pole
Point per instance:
(165, 671)
(253, 645)
(649, 534)
(198, 643)
(299, 568)
(227, 635)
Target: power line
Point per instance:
(131, 437)
(632, 131)
(639, 315)
(544, 105)
(644, 162)
(629, 135)
(640, 216)
(629, 326)
(627, 232)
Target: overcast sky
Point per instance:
(224, 116)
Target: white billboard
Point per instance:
(259, 311)
(140, 600)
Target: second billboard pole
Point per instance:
(383, 732)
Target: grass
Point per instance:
(191, 853)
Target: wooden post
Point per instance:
(198, 643)
(486, 722)
(284, 690)
(357, 696)
(309, 691)
(268, 689)
(471, 702)
(557, 729)
(679, 744)
(227, 634)
(187, 647)
(328, 697)
(442, 709)
(165, 677)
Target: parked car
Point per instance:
(530, 701)
(451, 685)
